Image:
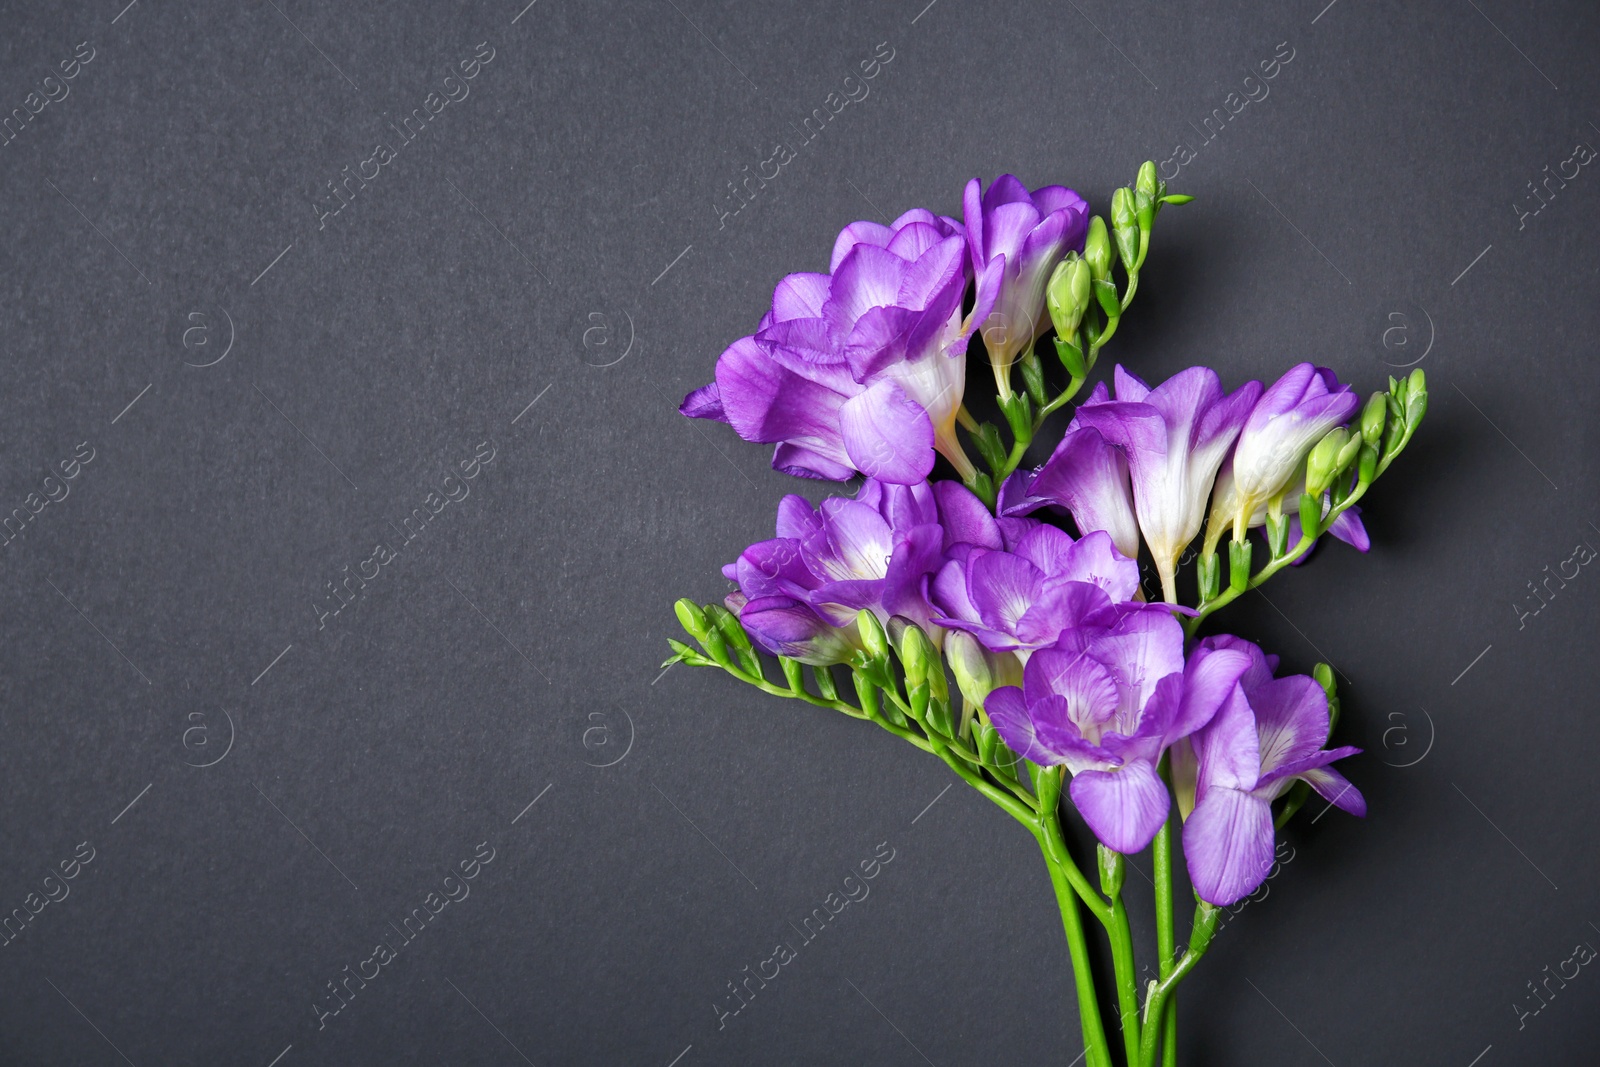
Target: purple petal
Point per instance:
(1227, 842)
(854, 542)
(964, 516)
(917, 553)
(887, 435)
(1089, 478)
(796, 517)
(1008, 713)
(1229, 748)
(800, 296)
(765, 401)
(1336, 790)
(1049, 549)
(1291, 720)
(704, 403)
(786, 628)
(1348, 528)
(773, 568)
(1084, 683)
(868, 277)
(1002, 586)
(1209, 679)
(1096, 560)
(872, 233)
(803, 462)
(1124, 807)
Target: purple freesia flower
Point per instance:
(1085, 475)
(1293, 414)
(1174, 437)
(1015, 238)
(1020, 597)
(861, 370)
(1268, 733)
(1107, 701)
(800, 592)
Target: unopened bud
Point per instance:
(1097, 249)
(1323, 463)
(1067, 295)
(1372, 419)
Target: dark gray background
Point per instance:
(165, 608)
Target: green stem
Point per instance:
(1206, 917)
(1127, 977)
(1098, 906)
(1047, 830)
(1166, 942)
(1165, 939)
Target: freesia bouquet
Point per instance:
(1070, 677)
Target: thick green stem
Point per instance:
(1047, 829)
(1166, 941)
(1127, 978)
(1205, 925)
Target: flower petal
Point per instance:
(1227, 842)
(887, 435)
(1124, 807)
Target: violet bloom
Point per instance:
(1293, 414)
(1085, 475)
(1015, 239)
(1174, 437)
(1021, 597)
(1268, 734)
(800, 592)
(1107, 702)
(860, 371)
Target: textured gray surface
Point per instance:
(557, 233)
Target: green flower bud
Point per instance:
(873, 639)
(1125, 227)
(1146, 182)
(1347, 454)
(915, 650)
(1367, 464)
(1416, 397)
(970, 664)
(692, 619)
(1067, 295)
(792, 674)
(1097, 249)
(1323, 463)
(1372, 419)
(1145, 191)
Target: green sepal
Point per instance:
(989, 446)
(1176, 198)
(1018, 411)
(1097, 249)
(1373, 416)
(1239, 565)
(1033, 376)
(826, 687)
(1209, 574)
(1277, 535)
(1071, 358)
(1113, 869)
(682, 653)
(793, 674)
(1310, 516)
(728, 625)
(1105, 291)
